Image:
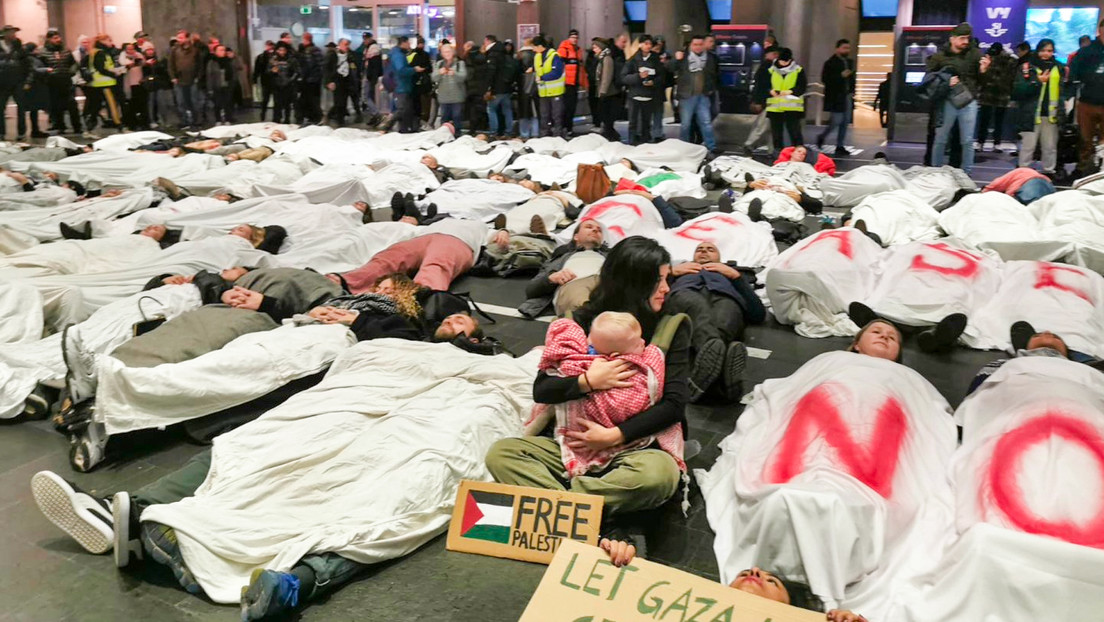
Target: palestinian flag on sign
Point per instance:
(487, 516)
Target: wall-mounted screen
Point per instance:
(1064, 26)
(636, 10)
(720, 10)
(879, 8)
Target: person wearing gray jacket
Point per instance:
(607, 87)
(449, 76)
(570, 274)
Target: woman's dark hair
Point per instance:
(172, 236)
(1043, 43)
(802, 596)
(626, 282)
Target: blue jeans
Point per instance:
(840, 121)
(453, 113)
(967, 122)
(697, 107)
(1034, 190)
(501, 103)
(529, 128)
(670, 216)
(186, 99)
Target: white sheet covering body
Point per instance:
(123, 169)
(672, 153)
(836, 474)
(1065, 300)
(365, 464)
(996, 222)
(923, 282)
(1030, 487)
(476, 199)
(849, 189)
(24, 365)
(898, 217)
(622, 216)
(80, 256)
(251, 366)
(738, 239)
(26, 228)
(811, 284)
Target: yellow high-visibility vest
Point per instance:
(100, 80)
(1054, 85)
(551, 88)
(787, 82)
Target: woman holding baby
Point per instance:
(639, 462)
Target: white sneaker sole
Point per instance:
(120, 520)
(55, 499)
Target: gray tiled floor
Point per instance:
(46, 577)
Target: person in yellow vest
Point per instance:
(786, 102)
(102, 74)
(549, 68)
(1045, 73)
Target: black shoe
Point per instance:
(943, 335)
(85, 518)
(820, 143)
(734, 365)
(70, 232)
(1021, 333)
(861, 314)
(748, 178)
(861, 226)
(755, 210)
(411, 210)
(708, 365)
(724, 203)
(431, 211)
(39, 134)
(499, 221)
(841, 152)
(397, 206)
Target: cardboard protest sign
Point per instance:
(523, 523)
(581, 585)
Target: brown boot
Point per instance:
(536, 225)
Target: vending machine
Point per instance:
(908, 113)
(739, 50)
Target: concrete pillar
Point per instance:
(162, 18)
(592, 18)
(666, 16)
(477, 18)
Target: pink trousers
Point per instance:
(434, 260)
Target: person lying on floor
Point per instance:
(754, 581)
(237, 301)
(26, 183)
(1026, 341)
(721, 302)
(112, 523)
(568, 277)
(939, 338)
(633, 280)
(436, 255)
(821, 163)
(1024, 184)
(83, 256)
(772, 198)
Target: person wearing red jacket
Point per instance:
(575, 76)
(823, 163)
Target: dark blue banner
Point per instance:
(998, 21)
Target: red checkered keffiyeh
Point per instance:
(566, 354)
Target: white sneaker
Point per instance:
(85, 518)
(977, 146)
(81, 377)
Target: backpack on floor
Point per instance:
(437, 305)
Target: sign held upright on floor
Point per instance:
(523, 523)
